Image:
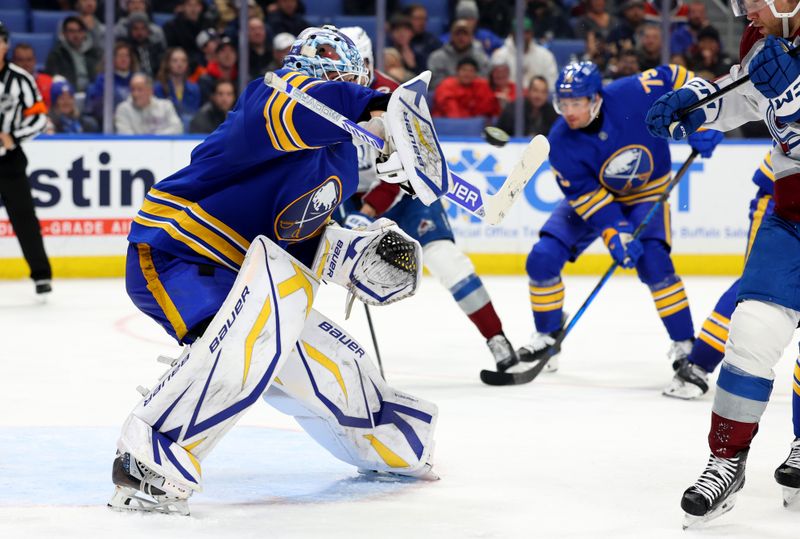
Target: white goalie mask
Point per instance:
(743, 7)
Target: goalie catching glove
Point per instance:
(378, 264)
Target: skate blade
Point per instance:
(128, 499)
(791, 498)
(682, 393)
(424, 474)
(692, 521)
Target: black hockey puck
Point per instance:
(495, 136)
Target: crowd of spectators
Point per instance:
(182, 76)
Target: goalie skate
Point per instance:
(788, 475)
(714, 493)
(138, 488)
(690, 382)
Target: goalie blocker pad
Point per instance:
(332, 388)
(379, 264)
(205, 392)
(410, 127)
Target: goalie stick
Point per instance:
(490, 208)
(496, 378)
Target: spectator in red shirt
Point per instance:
(465, 95)
(25, 58)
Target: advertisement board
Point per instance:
(88, 189)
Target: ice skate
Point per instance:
(138, 488)
(542, 346)
(690, 382)
(714, 493)
(425, 473)
(679, 352)
(502, 351)
(788, 475)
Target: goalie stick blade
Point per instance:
(496, 378)
(498, 205)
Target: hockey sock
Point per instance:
(738, 405)
(796, 399)
(709, 348)
(474, 300)
(547, 302)
(673, 308)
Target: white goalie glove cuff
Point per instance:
(702, 89)
(390, 168)
(377, 126)
(379, 264)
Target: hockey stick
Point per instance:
(491, 208)
(717, 95)
(374, 341)
(495, 378)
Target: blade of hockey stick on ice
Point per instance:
(464, 194)
(498, 204)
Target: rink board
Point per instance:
(88, 189)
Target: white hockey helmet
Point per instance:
(313, 51)
(363, 43)
(743, 7)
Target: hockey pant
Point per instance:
(231, 365)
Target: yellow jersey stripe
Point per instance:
(209, 219)
(177, 235)
(160, 294)
(188, 224)
(664, 292)
(546, 308)
(558, 296)
(671, 300)
(288, 114)
(719, 319)
(546, 289)
(715, 330)
(663, 313)
(267, 108)
(758, 216)
(712, 342)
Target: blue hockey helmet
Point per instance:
(580, 79)
(320, 52)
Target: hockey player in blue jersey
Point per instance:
(227, 254)
(691, 378)
(611, 171)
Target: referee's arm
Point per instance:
(32, 118)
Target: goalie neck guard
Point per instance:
(327, 53)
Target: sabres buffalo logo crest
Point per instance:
(627, 169)
(308, 213)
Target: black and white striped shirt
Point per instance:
(23, 113)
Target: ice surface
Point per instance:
(591, 451)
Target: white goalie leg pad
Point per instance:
(198, 399)
(409, 125)
(332, 388)
(379, 264)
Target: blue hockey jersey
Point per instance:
(273, 168)
(619, 163)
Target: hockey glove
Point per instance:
(624, 249)
(705, 141)
(665, 111)
(357, 220)
(776, 75)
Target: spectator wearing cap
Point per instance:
(536, 60)
(87, 10)
(623, 35)
(707, 59)
(467, 10)
(465, 95)
(549, 21)
(259, 47)
(423, 42)
(144, 114)
(286, 18)
(148, 51)
(207, 41)
(213, 113)
(648, 46)
(64, 115)
(538, 112)
(400, 34)
(223, 67)
(595, 19)
(443, 61)
(25, 57)
(505, 91)
(125, 65)
(280, 48)
(182, 30)
(74, 57)
(171, 83)
(141, 7)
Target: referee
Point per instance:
(23, 114)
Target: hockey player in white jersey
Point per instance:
(227, 255)
(769, 303)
